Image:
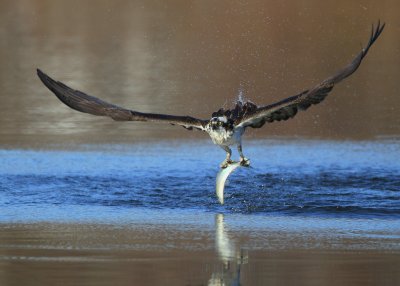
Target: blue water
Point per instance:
(295, 177)
(302, 178)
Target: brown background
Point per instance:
(192, 57)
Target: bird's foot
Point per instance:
(244, 162)
(226, 163)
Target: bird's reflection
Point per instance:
(229, 253)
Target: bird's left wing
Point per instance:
(288, 107)
(89, 104)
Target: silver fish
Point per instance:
(222, 175)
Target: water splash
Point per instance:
(241, 94)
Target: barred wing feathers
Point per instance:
(83, 102)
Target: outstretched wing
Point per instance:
(89, 104)
(288, 107)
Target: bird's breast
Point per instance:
(222, 136)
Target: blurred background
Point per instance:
(191, 58)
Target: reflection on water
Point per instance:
(231, 256)
(193, 249)
(144, 214)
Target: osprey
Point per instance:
(225, 127)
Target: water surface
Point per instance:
(301, 177)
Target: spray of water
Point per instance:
(241, 95)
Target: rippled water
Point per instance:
(357, 179)
(147, 214)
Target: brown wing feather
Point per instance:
(89, 104)
(288, 107)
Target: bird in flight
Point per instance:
(225, 127)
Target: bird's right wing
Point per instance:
(89, 104)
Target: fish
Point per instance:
(222, 176)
